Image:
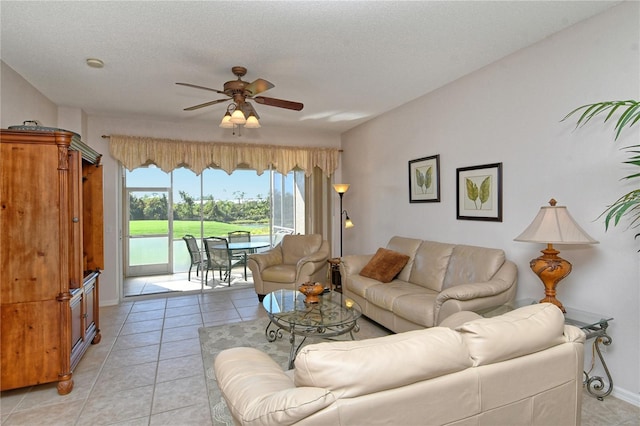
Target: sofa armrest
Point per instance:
(268, 258)
(258, 392)
(574, 334)
(474, 296)
(309, 265)
(472, 291)
(353, 264)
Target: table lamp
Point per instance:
(553, 225)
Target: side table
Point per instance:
(333, 273)
(594, 326)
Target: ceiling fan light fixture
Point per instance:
(226, 121)
(240, 112)
(252, 122)
(238, 117)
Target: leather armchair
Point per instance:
(297, 259)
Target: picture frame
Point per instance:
(424, 180)
(479, 192)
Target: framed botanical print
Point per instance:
(479, 192)
(424, 180)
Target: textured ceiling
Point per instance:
(346, 61)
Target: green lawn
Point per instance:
(182, 227)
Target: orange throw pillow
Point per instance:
(384, 265)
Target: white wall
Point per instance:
(21, 101)
(510, 112)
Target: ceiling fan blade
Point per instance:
(247, 109)
(201, 87)
(258, 86)
(280, 103)
(206, 104)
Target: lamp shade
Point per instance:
(252, 122)
(554, 225)
(226, 121)
(238, 117)
(341, 188)
(348, 223)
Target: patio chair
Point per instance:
(219, 257)
(279, 235)
(194, 253)
(241, 255)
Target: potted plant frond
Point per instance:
(628, 204)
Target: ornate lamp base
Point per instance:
(550, 268)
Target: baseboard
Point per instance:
(104, 303)
(626, 396)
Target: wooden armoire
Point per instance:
(51, 255)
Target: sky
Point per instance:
(216, 182)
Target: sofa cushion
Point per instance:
(385, 295)
(417, 307)
(280, 273)
(384, 265)
(469, 264)
(353, 368)
(430, 264)
(359, 285)
(523, 331)
(406, 246)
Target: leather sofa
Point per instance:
(438, 280)
(295, 260)
(523, 367)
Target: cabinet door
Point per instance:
(90, 301)
(92, 217)
(77, 326)
(31, 351)
(29, 222)
(76, 262)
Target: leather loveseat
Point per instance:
(438, 280)
(523, 367)
(295, 260)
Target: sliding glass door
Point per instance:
(148, 248)
(160, 208)
(287, 203)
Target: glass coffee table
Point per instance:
(334, 315)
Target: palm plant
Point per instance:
(628, 204)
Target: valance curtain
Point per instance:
(169, 154)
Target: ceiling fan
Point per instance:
(239, 91)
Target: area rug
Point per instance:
(252, 334)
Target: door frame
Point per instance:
(149, 269)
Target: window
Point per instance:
(162, 207)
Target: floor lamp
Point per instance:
(341, 188)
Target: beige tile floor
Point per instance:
(147, 370)
(178, 282)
